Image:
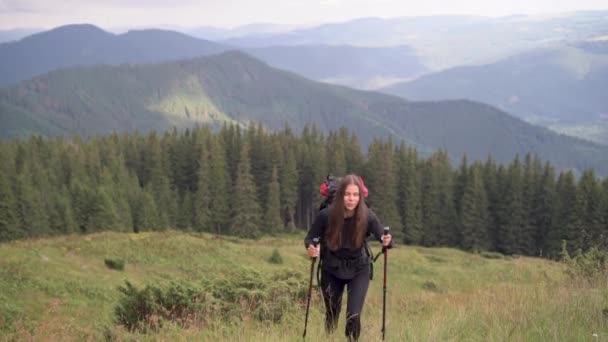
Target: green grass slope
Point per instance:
(60, 289)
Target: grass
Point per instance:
(60, 289)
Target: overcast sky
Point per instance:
(231, 13)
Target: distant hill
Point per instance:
(565, 86)
(234, 87)
(447, 41)
(213, 33)
(358, 67)
(88, 45)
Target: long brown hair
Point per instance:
(336, 227)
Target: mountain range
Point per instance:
(558, 87)
(89, 45)
(235, 87)
(442, 42)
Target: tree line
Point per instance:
(250, 182)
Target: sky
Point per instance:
(231, 13)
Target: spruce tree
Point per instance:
(526, 239)
(430, 203)
(8, 223)
(289, 187)
(336, 157)
(568, 219)
(203, 197)
(354, 155)
(219, 187)
(185, 218)
(31, 214)
(460, 184)
(474, 213)
(590, 193)
(260, 160)
(272, 218)
(544, 211)
(145, 213)
(511, 214)
(411, 212)
(246, 213)
(382, 186)
(102, 214)
(158, 183)
(446, 225)
(490, 180)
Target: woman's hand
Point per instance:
(313, 251)
(386, 239)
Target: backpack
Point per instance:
(328, 189)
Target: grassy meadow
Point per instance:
(60, 289)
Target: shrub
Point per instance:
(276, 257)
(115, 264)
(248, 295)
(430, 286)
(588, 265)
(492, 255)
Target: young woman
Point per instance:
(343, 228)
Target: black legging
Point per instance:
(333, 288)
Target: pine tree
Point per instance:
(411, 212)
(246, 211)
(604, 239)
(61, 215)
(31, 214)
(114, 183)
(145, 212)
(272, 218)
(203, 197)
(511, 214)
(260, 160)
(439, 213)
(382, 185)
(219, 187)
(568, 219)
(590, 193)
(289, 187)
(122, 184)
(460, 184)
(474, 213)
(312, 171)
(336, 157)
(158, 183)
(8, 223)
(430, 203)
(231, 136)
(102, 215)
(544, 210)
(490, 180)
(185, 218)
(354, 155)
(526, 239)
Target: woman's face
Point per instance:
(351, 197)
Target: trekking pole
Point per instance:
(315, 242)
(385, 251)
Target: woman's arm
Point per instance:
(318, 228)
(375, 227)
